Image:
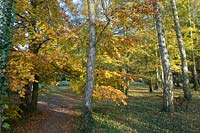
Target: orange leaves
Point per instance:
(108, 78)
(153, 1)
(109, 93)
(130, 14)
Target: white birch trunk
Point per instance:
(194, 70)
(168, 105)
(184, 66)
(87, 110)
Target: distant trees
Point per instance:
(193, 41)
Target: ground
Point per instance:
(60, 111)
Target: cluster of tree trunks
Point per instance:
(31, 96)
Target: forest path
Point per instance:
(59, 113)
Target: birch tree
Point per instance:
(194, 69)
(184, 66)
(87, 109)
(168, 105)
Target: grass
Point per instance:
(142, 114)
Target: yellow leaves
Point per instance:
(78, 85)
(20, 71)
(105, 77)
(107, 74)
(106, 58)
(22, 5)
(117, 53)
(22, 92)
(109, 93)
(46, 31)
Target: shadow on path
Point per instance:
(58, 113)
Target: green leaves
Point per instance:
(6, 23)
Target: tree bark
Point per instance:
(126, 86)
(87, 109)
(34, 48)
(26, 105)
(28, 96)
(35, 94)
(176, 79)
(150, 86)
(168, 105)
(184, 66)
(195, 77)
(34, 100)
(194, 70)
(158, 80)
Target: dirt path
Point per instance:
(59, 113)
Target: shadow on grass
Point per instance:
(142, 114)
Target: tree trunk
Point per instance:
(168, 105)
(6, 23)
(194, 74)
(34, 100)
(156, 85)
(162, 78)
(176, 79)
(34, 48)
(194, 70)
(150, 86)
(186, 88)
(126, 91)
(25, 106)
(158, 80)
(28, 96)
(87, 109)
(126, 87)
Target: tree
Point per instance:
(168, 105)
(194, 69)
(6, 24)
(37, 24)
(186, 88)
(89, 87)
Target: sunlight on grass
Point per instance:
(142, 114)
(111, 125)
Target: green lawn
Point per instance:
(142, 114)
